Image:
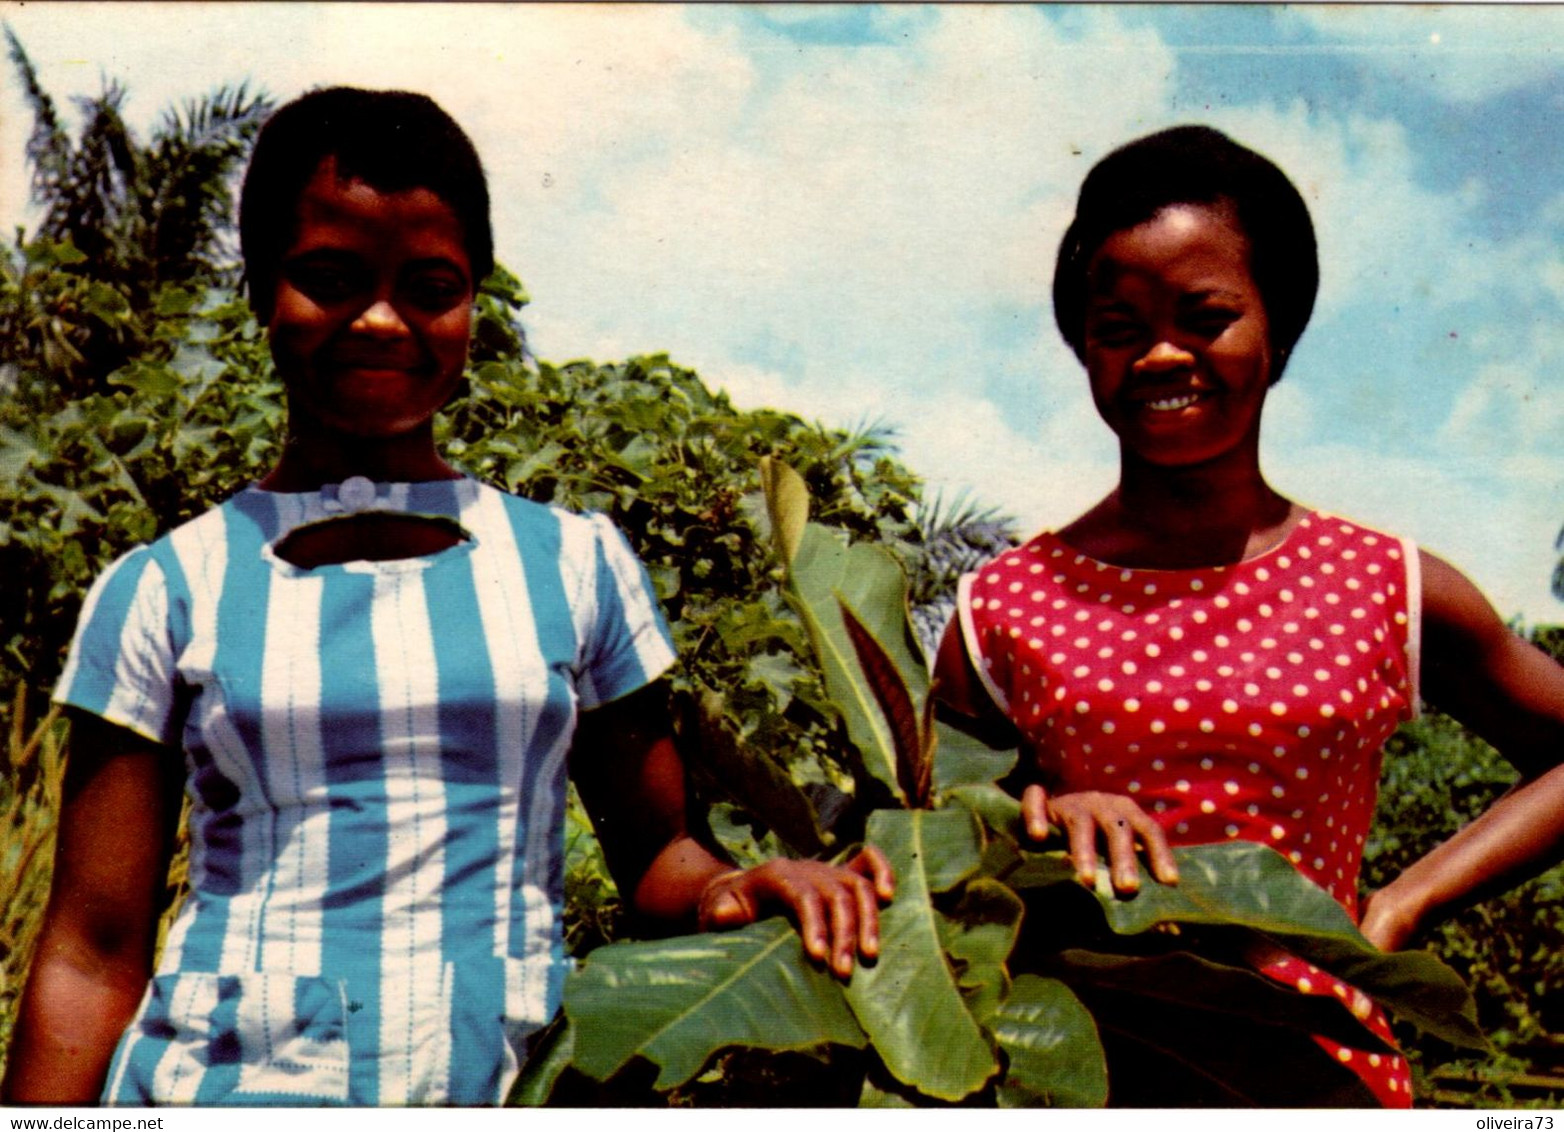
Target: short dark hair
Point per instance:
(392, 140)
(1201, 166)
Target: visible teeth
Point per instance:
(1168, 404)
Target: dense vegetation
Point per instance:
(137, 392)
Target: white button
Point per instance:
(357, 493)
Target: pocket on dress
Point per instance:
(254, 1038)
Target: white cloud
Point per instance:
(868, 233)
(1513, 410)
(866, 192)
(542, 88)
(1459, 53)
(1382, 235)
(1042, 468)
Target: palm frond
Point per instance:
(49, 148)
(1558, 571)
(228, 116)
(956, 534)
(863, 441)
(188, 206)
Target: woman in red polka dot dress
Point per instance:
(1199, 659)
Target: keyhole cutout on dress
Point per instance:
(368, 537)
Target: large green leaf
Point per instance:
(873, 1096)
(1253, 886)
(937, 849)
(787, 505)
(978, 933)
(1184, 980)
(999, 810)
(962, 759)
(549, 1057)
(1055, 1056)
(875, 673)
(908, 1002)
(825, 575)
(677, 1002)
(1233, 882)
(867, 577)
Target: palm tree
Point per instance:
(141, 215)
(955, 535)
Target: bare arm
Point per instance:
(631, 779)
(95, 947)
(1511, 694)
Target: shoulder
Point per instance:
(1031, 559)
(534, 524)
(1485, 674)
(1455, 611)
(1326, 530)
(580, 543)
(1465, 642)
(160, 557)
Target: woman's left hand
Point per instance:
(631, 780)
(837, 907)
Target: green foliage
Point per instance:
(83, 480)
(677, 1002)
(136, 384)
(957, 535)
(1558, 570)
(1037, 1028)
(909, 1002)
(999, 979)
(137, 216)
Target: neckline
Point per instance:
(1309, 517)
(358, 494)
(443, 498)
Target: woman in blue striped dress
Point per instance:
(372, 675)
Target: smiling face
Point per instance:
(1177, 344)
(372, 310)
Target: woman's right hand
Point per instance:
(1087, 815)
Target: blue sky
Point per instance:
(852, 213)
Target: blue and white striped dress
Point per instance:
(375, 755)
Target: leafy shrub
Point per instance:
(999, 979)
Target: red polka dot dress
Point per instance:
(1232, 702)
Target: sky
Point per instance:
(852, 213)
